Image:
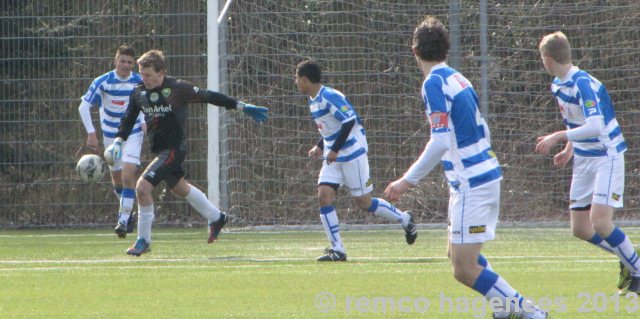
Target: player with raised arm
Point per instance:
(343, 146)
(460, 141)
(110, 92)
(594, 140)
(164, 102)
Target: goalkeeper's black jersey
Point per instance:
(166, 112)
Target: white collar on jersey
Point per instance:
(567, 77)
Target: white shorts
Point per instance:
(473, 214)
(131, 150)
(597, 180)
(354, 174)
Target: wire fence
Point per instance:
(50, 51)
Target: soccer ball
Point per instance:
(91, 168)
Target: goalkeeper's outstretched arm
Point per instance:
(258, 113)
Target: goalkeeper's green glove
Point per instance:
(258, 113)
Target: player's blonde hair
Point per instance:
(556, 46)
(153, 58)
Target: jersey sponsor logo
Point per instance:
(439, 120)
(118, 102)
(157, 110)
(154, 97)
(344, 109)
(589, 103)
(477, 229)
(600, 195)
(615, 196)
(167, 91)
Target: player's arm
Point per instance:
(316, 151)
(593, 126)
(85, 115)
(90, 98)
(129, 120)
(194, 94)
(343, 134)
(437, 146)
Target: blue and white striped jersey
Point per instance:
(330, 109)
(582, 96)
(111, 93)
(451, 106)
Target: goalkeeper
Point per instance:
(163, 100)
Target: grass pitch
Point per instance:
(86, 274)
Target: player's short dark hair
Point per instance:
(125, 50)
(153, 58)
(311, 70)
(431, 40)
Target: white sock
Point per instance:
(199, 201)
(624, 249)
(145, 220)
(329, 219)
(126, 203)
(384, 209)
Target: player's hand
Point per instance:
(332, 157)
(113, 153)
(92, 142)
(545, 143)
(396, 189)
(258, 113)
(561, 159)
(315, 152)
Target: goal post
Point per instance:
(213, 112)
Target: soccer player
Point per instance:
(164, 101)
(594, 140)
(343, 146)
(460, 141)
(110, 92)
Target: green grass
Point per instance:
(85, 274)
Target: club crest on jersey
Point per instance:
(439, 120)
(166, 92)
(154, 97)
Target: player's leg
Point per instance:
(608, 196)
(583, 183)
(357, 178)
(473, 216)
(130, 161)
(161, 168)
(329, 218)
(144, 191)
(198, 200)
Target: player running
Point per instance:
(164, 102)
(343, 146)
(595, 142)
(460, 141)
(110, 92)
